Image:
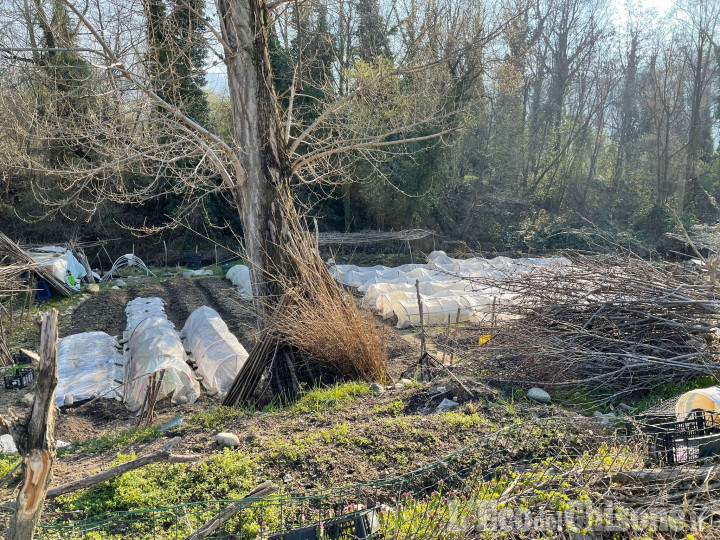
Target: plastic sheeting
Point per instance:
(239, 275)
(88, 366)
(58, 260)
(706, 399)
(391, 291)
(217, 352)
(152, 344)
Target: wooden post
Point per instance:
(457, 321)
(38, 443)
(422, 322)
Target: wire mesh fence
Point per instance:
(542, 478)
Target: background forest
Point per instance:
(537, 116)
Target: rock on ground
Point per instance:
(539, 395)
(227, 439)
(376, 388)
(93, 288)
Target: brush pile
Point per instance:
(611, 325)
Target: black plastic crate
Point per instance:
(193, 261)
(679, 442)
(20, 379)
(362, 525)
(20, 358)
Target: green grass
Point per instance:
(214, 417)
(670, 390)
(113, 440)
(329, 398)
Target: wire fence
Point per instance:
(545, 477)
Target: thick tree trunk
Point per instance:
(266, 211)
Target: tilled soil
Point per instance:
(105, 311)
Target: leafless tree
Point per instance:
(78, 81)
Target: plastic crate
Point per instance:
(362, 525)
(20, 358)
(20, 379)
(679, 442)
(193, 261)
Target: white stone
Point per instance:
(28, 399)
(69, 400)
(406, 382)
(539, 395)
(120, 283)
(399, 386)
(7, 444)
(181, 400)
(227, 439)
(115, 287)
(376, 388)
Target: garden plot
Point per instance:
(217, 353)
(87, 367)
(151, 345)
(442, 284)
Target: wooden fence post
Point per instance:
(36, 442)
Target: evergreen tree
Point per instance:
(371, 34)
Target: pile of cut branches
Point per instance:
(615, 325)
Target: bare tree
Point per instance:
(117, 155)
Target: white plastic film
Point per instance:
(88, 366)
(153, 345)
(217, 352)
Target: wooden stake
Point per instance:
(457, 321)
(422, 322)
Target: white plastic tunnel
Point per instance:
(705, 399)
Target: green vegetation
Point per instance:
(329, 398)
(113, 440)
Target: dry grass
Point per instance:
(321, 319)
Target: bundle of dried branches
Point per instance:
(323, 320)
(319, 320)
(611, 324)
(11, 283)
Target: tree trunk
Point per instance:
(37, 443)
(266, 208)
(692, 183)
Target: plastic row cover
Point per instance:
(152, 344)
(239, 275)
(88, 366)
(217, 353)
(391, 291)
